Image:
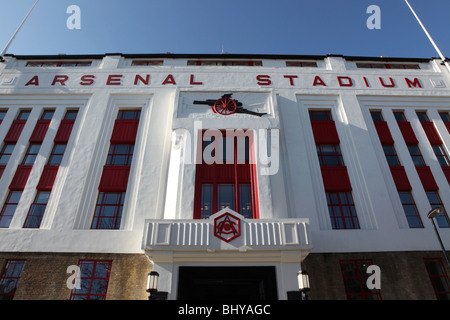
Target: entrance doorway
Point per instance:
(229, 283)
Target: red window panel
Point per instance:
(48, 177)
(400, 178)
(64, 131)
(354, 273)
(324, 132)
(431, 132)
(438, 277)
(336, 179)
(114, 178)
(427, 179)
(10, 278)
(447, 124)
(94, 278)
(14, 131)
(39, 131)
(20, 177)
(124, 131)
(383, 132)
(407, 132)
(446, 171)
(2, 169)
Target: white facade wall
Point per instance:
(162, 176)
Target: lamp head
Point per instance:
(435, 212)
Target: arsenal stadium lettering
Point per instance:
(317, 81)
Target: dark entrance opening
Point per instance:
(230, 283)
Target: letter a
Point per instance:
(374, 21)
(74, 21)
(374, 281)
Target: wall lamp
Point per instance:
(433, 214)
(152, 287)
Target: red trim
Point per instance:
(400, 178)
(47, 178)
(114, 179)
(431, 132)
(14, 131)
(383, 132)
(407, 132)
(124, 131)
(2, 169)
(447, 124)
(20, 177)
(336, 179)
(39, 131)
(64, 131)
(427, 179)
(324, 132)
(446, 171)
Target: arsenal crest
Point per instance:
(227, 227)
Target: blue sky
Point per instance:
(317, 27)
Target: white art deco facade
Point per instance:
(226, 174)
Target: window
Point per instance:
(147, 63)
(37, 210)
(224, 63)
(377, 116)
(225, 179)
(2, 115)
(410, 209)
(435, 202)
(23, 115)
(416, 155)
(93, 280)
(329, 155)
(391, 155)
(386, 65)
(445, 116)
(108, 211)
(71, 115)
(57, 154)
(354, 273)
(320, 115)
(120, 155)
(9, 208)
(58, 63)
(301, 64)
(10, 278)
(129, 115)
(342, 210)
(399, 116)
(6, 153)
(439, 278)
(47, 115)
(31, 154)
(441, 155)
(422, 115)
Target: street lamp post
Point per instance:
(432, 214)
(303, 284)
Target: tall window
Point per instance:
(436, 202)
(225, 177)
(93, 280)
(329, 155)
(391, 155)
(416, 155)
(37, 210)
(411, 212)
(342, 210)
(6, 153)
(441, 155)
(10, 278)
(2, 115)
(108, 211)
(32, 152)
(354, 273)
(9, 208)
(439, 278)
(120, 155)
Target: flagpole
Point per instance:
(429, 37)
(18, 29)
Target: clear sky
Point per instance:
(302, 27)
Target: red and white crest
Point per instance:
(227, 227)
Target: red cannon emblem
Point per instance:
(227, 227)
(226, 106)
